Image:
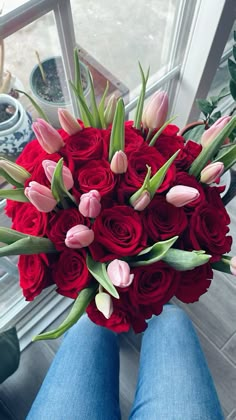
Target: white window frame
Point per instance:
(211, 25)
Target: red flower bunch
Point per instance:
(121, 217)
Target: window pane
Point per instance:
(125, 33)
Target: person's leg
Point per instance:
(174, 382)
(83, 380)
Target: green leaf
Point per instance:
(9, 179)
(83, 300)
(158, 133)
(145, 187)
(94, 107)
(223, 92)
(223, 265)
(185, 260)
(78, 81)
(232, 86)
(159, 176)
(153, 253)
(16, 194)
(85, 114)
(9, 236)
(205, 106)
(232, 69)
(101, 107)
(139, 109)
(58, 188)
(235, 36)
(117, 138)
(27, 246)
(99, 272)
(210, 151)
(214, 117)
(227, 156)
(195, 133)
(39, 110)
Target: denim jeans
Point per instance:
(174, 382)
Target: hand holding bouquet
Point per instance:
(119, 216)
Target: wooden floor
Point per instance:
(214, 317)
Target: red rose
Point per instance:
(152, 287)
(133, 138)
(207, 231)
(31, 154)
(34, 274)
(169, 142)
(194, 283)
(118, 322)
(11, 208)
(87, 144)
(70, 273)
(118, 233)
(161, 220)
(29, 220)
(187, 155)
(61, 222)
(137, 170)
(96, 175)
(213, 197)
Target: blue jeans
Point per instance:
(174, 382)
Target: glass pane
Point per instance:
(7, 6)
(222, 75)
(129, 32)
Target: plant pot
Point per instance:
(16, 132)
(54, 95)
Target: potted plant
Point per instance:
(15, 127)
(49, 87)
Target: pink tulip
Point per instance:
(180, 195)
(155, 112)
(49, 168)
(48, 137)
(119, 273)
(104, 304)
(211, 172)
(119, 163)
(68, 122)
(142, 202)
(233, 265)
(40, 196)
(212, 132)
(79, 236)
(90, 205)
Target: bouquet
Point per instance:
(120, 216)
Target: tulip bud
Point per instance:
(79, 236)
(211, 172)
(233, 265)
(90, 205)
(155, 112)
(110, 110)
(48, 137)
(40, 196)
(212, 132)
(119, 163)
(119, 273)
(142, 202)
(14, 171)
(68, 122)
(49, 168)
(104, 304)
(180, 195)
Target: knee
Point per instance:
(172, 317)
